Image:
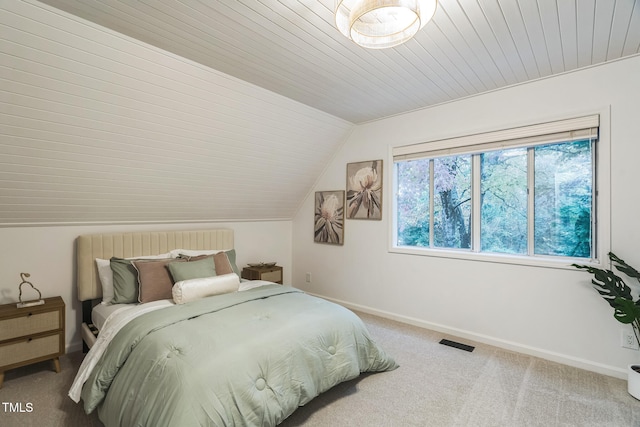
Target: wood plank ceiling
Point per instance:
(121, 111)
(293, 48)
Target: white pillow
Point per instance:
(106, 275)
(194, 289)
(195, 252)
(106, 279)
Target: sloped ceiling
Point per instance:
(166, 110)
(293, 48)
(101, 128)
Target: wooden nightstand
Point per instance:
(272, 274)
(31, 334)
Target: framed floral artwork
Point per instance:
(329, 217)
(364, 190)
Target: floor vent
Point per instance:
(454, 344)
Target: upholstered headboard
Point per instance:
(126, 245)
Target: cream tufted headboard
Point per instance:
(126, 245)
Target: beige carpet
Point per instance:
(39, 385)
(435, 386)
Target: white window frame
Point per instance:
(527, 136)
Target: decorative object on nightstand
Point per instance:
(31, 334)
(22, 304)
(263, 271)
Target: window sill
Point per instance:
(529, 261)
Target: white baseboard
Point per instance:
(588, 365)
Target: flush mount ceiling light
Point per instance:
(379, 24)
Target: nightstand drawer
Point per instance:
(272, 273)
(29, 349)
(29, 324)
(272, 276)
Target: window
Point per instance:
(524, 192)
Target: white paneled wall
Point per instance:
(97, 127)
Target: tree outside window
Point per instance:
(532, 201)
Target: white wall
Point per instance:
(553, 313)
(48, 254)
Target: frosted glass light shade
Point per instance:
(379, 24)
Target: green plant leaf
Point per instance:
(624, 267)
(626, 311)
(608, 285)
(613, 289)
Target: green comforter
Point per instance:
(242, 359)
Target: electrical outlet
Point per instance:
(307, 278)
(628, 339)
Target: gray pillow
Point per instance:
(192, 269)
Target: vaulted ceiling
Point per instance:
(196, 110)
(292, 47)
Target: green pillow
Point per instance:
(125, 281)
(192, 270)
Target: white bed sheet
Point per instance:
(101, 313)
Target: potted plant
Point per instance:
(625, 310)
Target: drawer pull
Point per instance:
(29, 340)
(29, 314)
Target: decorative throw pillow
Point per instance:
(231, 256)
(125, 281)
(222, 263)
(175, 253)
(192, 270)
(105, 274)
(194, 289)
(154, 280)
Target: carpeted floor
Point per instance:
(435, 386)
(46, 391)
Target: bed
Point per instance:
(245, 354)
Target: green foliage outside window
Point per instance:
(560, 223)
(503, 205)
